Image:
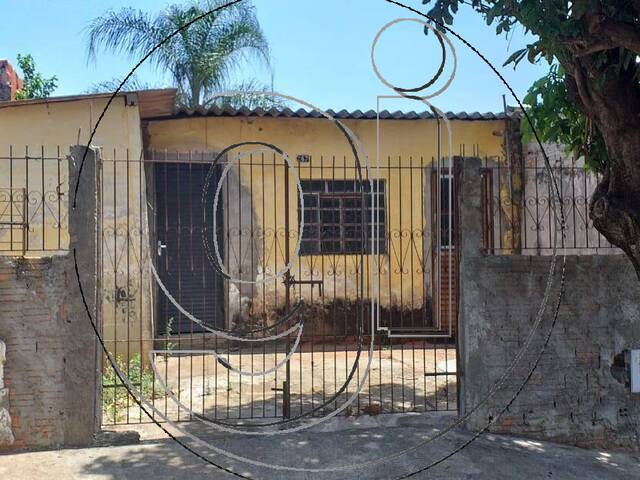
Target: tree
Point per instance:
(132, 84)
(201, 58)
(252, 95)
(591, 98)
(34, 84)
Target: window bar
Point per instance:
(11, 244)
(263, 287)
(202, 230)
(43, 198)
(346, 275)
(252, 269)
(59, 194)
(275, 261)
(573, 202)
(240, 274)
(115, 282)
(141, 259)
(537, 210)
(165, 300)
(322, 299)
(128, 307)
(229, 259)
(27, 220)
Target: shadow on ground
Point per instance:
(348, 441)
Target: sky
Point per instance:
(321, 52)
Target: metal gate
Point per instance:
(197, 225)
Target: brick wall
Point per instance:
(10, 82)
(52, 369)
(32, 324)
(579, 393)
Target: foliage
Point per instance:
(587, 43)
(35, 85)
(591, 103)
(133, 84)
(556, 119)
(250, 95)
(201, 59)
(115, 397)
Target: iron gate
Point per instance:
(153, 210)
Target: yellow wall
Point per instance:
(61, 123)
(320, 136)
(53, 127)
(403, 143)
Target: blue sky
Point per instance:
(320, 50)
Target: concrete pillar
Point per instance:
(6, 434)
(470, 246)
(82, 372)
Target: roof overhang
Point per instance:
(155, 103)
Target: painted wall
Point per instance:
(34, 145)
(407, 150)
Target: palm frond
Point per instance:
(200, 58)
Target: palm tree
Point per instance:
(132, 84)
(201, 58)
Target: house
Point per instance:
(156, 161)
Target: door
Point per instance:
(180, 256)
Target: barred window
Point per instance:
(335, 213)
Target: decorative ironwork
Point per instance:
(148, 206)
(529, 226)
(33, 203)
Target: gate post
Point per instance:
(470, 245)
(82, 380)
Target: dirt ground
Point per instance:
(404, 378)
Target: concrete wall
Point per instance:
(579, 392)
(51, 370)
(31, 130)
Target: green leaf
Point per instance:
(515, 57)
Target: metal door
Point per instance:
(182, 264)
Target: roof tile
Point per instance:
(342, 114)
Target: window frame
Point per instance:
(340, 191)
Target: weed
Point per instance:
(115, 397)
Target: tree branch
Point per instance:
(603, 33)
(578, 89)
(612, 32)
(625, 35)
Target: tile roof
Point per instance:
(342, 114)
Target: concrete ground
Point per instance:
(407, 378)
(339, 442)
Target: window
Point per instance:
(335, 213)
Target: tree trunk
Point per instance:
(615, 205)
(614, 107)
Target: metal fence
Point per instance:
(152, 211)
(519, 206)
(33, 201)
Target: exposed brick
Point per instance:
(572, 396)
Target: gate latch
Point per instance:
(161, 246)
